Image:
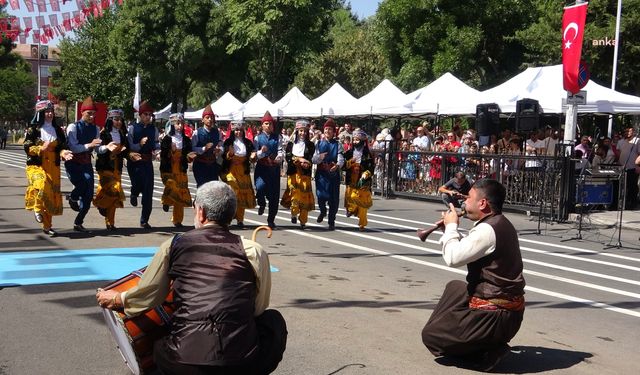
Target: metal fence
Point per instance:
(538, 184)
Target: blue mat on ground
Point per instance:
(72, 266)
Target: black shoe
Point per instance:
(349, 213)
(50, 232)
(260, 210)
(332, 227)
(321, 217)
(240, 224)
(490, 359)
(103, 211)
(178, 225)
(111, 228)
(80, 228)
(272, 225)
(74, 204)
(302, 226)
(38, 216)
(145, 225)
(133, 200)
(165, 207)
(294, 220)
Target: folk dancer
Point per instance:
(45, 144)
(359, 166)
(475, 320)
(299, 195)
(83, 137)
(206, 144)
(109, 163)
(267, 174)
(221, 285)
(174, 155)
(143, 142)
(236, 169)
(329, 156)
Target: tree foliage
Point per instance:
(16, 82)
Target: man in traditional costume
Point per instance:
(109, 163)
(207, 145)
(329, 156)
(236, 169)
(299, 195)
(143, 141)
(359, 165)
(267, 174)
(45, 144)
(174, 161)
(83, 138)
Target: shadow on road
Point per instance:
(527, 360)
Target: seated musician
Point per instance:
(474, 320)
(455, 190)
(221, 287)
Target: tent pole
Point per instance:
(570, 127)
(615, 62)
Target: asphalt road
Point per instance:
(355, 302)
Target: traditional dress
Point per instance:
(267, 173)
(174, 149)
(43, 195)
(205, 165)
(110, 194)
(236, 171)
(80, 137)
(328, 181)
(141, 171)
(359, 166)
(298, 196)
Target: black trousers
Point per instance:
(272, 342)
(456, 330)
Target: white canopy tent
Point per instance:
(290, 104)
(544, 84)
(446, 95)
(336, 101)
(223, 108)
(385, 100)
(254, 108)
(164, 113)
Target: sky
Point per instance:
(362, 8)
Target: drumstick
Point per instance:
(258, 229)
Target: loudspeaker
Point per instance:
(487, 119)
(527, 115)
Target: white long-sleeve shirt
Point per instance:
(458, 251)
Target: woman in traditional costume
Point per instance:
(359, 166)
(299, 195)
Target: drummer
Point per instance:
(208, 318)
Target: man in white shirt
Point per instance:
(534, 148)
(422, 142)
(475, 320)
(629, 151)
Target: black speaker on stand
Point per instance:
(487, 122)
(527, 115)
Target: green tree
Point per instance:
(278, 34)
(472, 39)
(16, 82)
(354, 60)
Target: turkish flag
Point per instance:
(573, 22)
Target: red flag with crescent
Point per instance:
(573, 22)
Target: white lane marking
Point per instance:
(457, 271)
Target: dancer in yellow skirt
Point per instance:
(175, 153)
(359, 168)
(115, 147)
(238, 153)
(299, 195)
(45, 144)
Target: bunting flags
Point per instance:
(42, 6)
(573, 22)
(15, 5)
(29, 4)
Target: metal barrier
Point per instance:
(539, 184)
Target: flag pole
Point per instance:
(614, 72)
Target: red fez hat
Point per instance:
(330, 123)
(208, 111)
(145, 107)
(267, 117)
(88, 105)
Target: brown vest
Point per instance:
(214, 287)
(498, 274)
